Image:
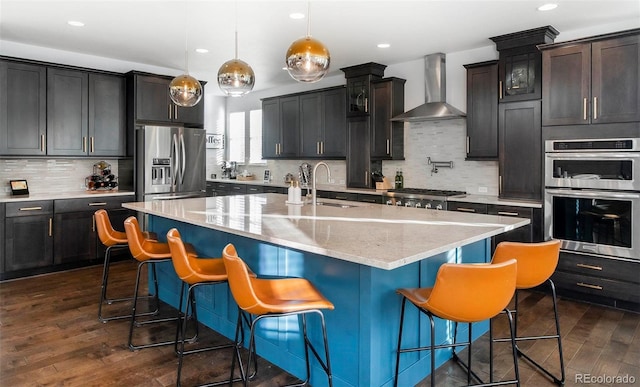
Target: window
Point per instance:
(255, 137)
(236, 137)
(245, 137)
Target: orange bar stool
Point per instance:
(112, 240)
(195, 271)
(462, 293)
(536, 264)
(146, 251)
(267, 298)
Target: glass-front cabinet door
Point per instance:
(520, 76)
(358, 90)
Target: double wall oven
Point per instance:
(592, 196)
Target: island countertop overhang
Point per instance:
(384, 237)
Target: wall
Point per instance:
(49, 175)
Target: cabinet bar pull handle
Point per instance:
(93, 223)
(505, 213)
(465, 209)
(500, 89)
(341, 197)
(170, 111)
(588, 266)
(321, 147)
(500, 183)
(595, 108)
(584, 109)
(467, 144)
(175, 114)
(30, 208)
(50, 226)
(91, 144)
(98, 204)
(84, 144)
(596, 287)
(388, 146)
(366, 177)
(42, 142)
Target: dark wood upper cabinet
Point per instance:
(482, 111)
(23, 108)
(519, 65)
(520, 161)
(154, 105)
(592, 81)
(67, 112)
(387, 137)
(305, 125)
(358, 153)
(359, 79)
(107, 115)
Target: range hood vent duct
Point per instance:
(435, 106)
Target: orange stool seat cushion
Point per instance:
(536, 261)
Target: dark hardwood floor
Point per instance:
(50, 335)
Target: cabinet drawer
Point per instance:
(610, 268)
(251, 189)
(519, 212)
(29, 208)
(238, 189)
(370, 198)
(344, 196)
(618, 290)
(477, 208)
(269, 189)
(91, 204)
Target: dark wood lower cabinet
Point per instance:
(28, 235)
(44, 236)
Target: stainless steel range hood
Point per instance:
(435, 106)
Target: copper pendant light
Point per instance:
(307, 58)
(235, 77)
(185, 90)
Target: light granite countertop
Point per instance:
(385, 237)
(64, 195)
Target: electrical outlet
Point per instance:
(341, 181)
(482, 189)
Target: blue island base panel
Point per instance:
(363, 328)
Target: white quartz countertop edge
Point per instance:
(388, 264)
(64, 195)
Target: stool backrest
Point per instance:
(536, 261)
(108, 236)
(240, 281)
(472, 292)
(179, 255)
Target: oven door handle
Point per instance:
(597, 156)
(593, 194)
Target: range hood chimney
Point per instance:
(435, 106)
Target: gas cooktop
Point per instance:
(418, 192)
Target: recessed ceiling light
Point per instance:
(202, 50)
(384, 45)
(547, 7)
(75, 23)
(297, 15)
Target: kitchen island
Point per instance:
(357, 254)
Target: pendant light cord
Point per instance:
(309, 18)
(186, 40)
(236, 29)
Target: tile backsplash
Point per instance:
(440, 140)
(49, 175)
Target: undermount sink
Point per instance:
(331, 204)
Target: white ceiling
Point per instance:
(152, 32)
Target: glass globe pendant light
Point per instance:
(235, 77)
(185, 90)
(307, 58)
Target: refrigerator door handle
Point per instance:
(184, 158)
(175, 167)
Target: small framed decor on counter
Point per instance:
(19, 187)
(215, 141)
(267, 176)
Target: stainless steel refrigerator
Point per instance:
(169, 163)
